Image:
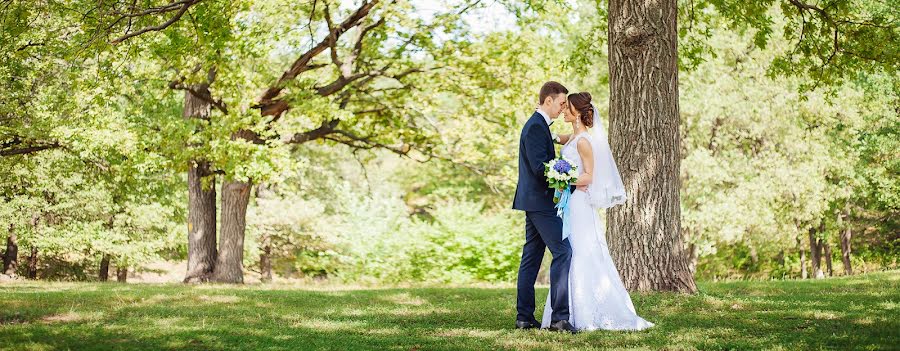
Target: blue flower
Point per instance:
(562, 166)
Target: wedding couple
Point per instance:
(586, 292)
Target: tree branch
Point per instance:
(172, 6)
(28, 45)
(326, 128)
(302, 63)
(28, 149)
(185, 5)
(204, 93)
(807, 7)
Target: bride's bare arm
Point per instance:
(587, 159)
(564, 138)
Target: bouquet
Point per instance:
(561, 173)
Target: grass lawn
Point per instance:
(859, 312)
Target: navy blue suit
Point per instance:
(543, 229)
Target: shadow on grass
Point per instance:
(854, 313)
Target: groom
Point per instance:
(543, 229)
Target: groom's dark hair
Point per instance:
(551, 88)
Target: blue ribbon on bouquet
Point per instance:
(562, 210)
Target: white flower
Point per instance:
(553, 174)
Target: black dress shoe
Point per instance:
(562, 326)
(527, 324)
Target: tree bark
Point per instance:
(846, 234)
(230, 262)
(31, 269)
(201, 224)
(645, 232)
(201, 203)
(104, 268)
(265, 259)
(827, 247)
(803, 273)
(11, 255)
(692, 258)
(815, 252)
(121, 274)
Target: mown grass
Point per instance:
(859, 312)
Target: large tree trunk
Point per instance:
(121, 274)
(845, 241)
(201, 224)
(104, 268)
(201, 203)
(815, 252)
(827, 247)
(230, 262)
(645, 233)
(11, 255)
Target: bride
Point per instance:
(597, 297)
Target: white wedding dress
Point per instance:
(597, 297)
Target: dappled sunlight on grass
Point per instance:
(327, 324)
(71, 316)
(405, 298)
(778, 315)
(217, 299)
(476, 333)
(169, 323)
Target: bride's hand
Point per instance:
(581, 187)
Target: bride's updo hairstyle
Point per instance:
(581, 102)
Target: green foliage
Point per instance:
(73, 213)
(763, 163)
(830, 41)
(464, 243)
(781, 132)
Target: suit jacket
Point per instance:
(533, 193)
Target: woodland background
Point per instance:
(375, 142)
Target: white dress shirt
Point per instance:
(549, 121)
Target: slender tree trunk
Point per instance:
(845, 251)
(754, 256)
(692, 258)
(11, 255)
(104, 268)
(827, 247)
(845, 241)
(265, 259)
(201, 203)
(803, 273)
(265, 256)
(31, 269)
(645, 232)
(121, 274)
(815, 252)
(230, 262)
